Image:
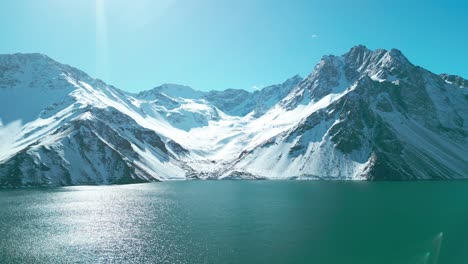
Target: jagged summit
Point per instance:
(358, 52)
(236, 102)
(174, 91)
(379, 64)
(455, 79)
(34, 62)
(333, 74)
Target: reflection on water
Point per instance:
(237, 222)
(433, 255)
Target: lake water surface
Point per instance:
(238, 222)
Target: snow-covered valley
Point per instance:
(365, 115)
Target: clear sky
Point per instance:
(217, 44)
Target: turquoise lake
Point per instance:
(238, 222)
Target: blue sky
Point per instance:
(217, 44)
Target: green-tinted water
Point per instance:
(238, 222)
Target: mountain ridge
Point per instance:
(364, 115)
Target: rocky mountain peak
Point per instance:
(455, 80)
(358, 54)
(381, 64)
(22, 58)
(293, 80)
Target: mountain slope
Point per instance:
(87, 133)
(383, 119)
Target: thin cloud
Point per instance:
(314, 36)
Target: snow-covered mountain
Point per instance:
(368, 115)
(363, 115)
(77, 130)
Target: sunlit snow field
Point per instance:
(238, 222)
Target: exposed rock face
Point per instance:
(377, 117)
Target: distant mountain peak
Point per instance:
(360, 57)
(173, 91)
(359, 50)
(34, 59)
(292, 80)
(455, 80)
(36, 56)
(333, 74)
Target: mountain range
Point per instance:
(364, 115)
